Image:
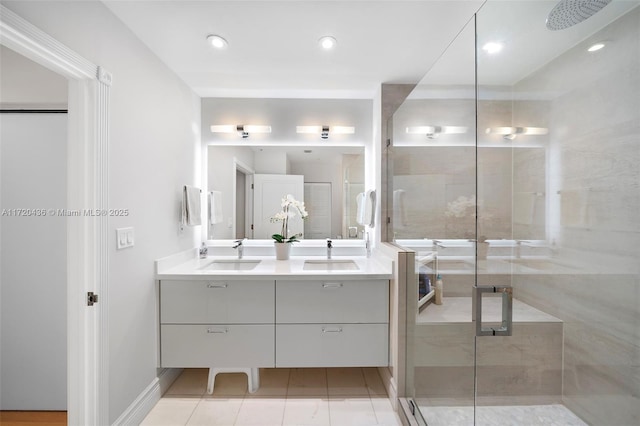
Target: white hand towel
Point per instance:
(366, 208)
(215, 207)
(191, 209)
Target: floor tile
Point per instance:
(308, 382)
(171, 412)
(297, 396)
(385, 415)
(346, 382)
(306, 412)
(374, 382)
(192, 382)
(229, 385)
(351, 412)
(261, 412)
(216, 412)
(273, 383)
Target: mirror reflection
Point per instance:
(468, 165)
(250, 181)
(435, 197)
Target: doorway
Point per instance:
(34, 300)
(243, 201)
(87, 179)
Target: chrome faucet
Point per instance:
(240, 247)
(329, 247)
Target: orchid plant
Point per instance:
(289, 208)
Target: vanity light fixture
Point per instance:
(327, 42)
(243, 129)
(510, 133)
(324, 131)
(217, 41)
(433, 132)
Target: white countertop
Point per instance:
(375, 267)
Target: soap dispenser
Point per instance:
(204, 251)
(438, 290)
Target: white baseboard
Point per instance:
(148, 398)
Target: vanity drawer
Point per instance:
(332, 345)
(332, 301)
(217, 301)
(217, 345)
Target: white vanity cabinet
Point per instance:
(332, 323)
(222, 323)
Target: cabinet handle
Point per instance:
(331, 285)
(212, 285)
(332, 330)
(217, 330)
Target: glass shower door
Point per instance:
(557, 197)
(433, 191)
(514, 177)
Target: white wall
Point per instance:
(154, 150)
(270, 162)
(32, 285)
(24, 83)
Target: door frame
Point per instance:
(248, 173)
(87, 188)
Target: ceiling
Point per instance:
(273, 47)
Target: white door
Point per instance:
(268, 191)
(317, 199)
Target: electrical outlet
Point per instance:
(125, 237)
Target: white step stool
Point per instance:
(253, 377)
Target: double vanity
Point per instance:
(257, 312)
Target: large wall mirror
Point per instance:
(250, 181)
(251, 173)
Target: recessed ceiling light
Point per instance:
(327, 42)
(492, 47)
(595, 47)
(217, 41)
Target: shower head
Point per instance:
(568, 13)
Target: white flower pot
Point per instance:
(282, 250)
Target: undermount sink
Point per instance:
(330, 265)
(232, 264)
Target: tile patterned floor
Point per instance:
(297, 396)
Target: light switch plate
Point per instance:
(125, 237)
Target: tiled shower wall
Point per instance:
(593, 212)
